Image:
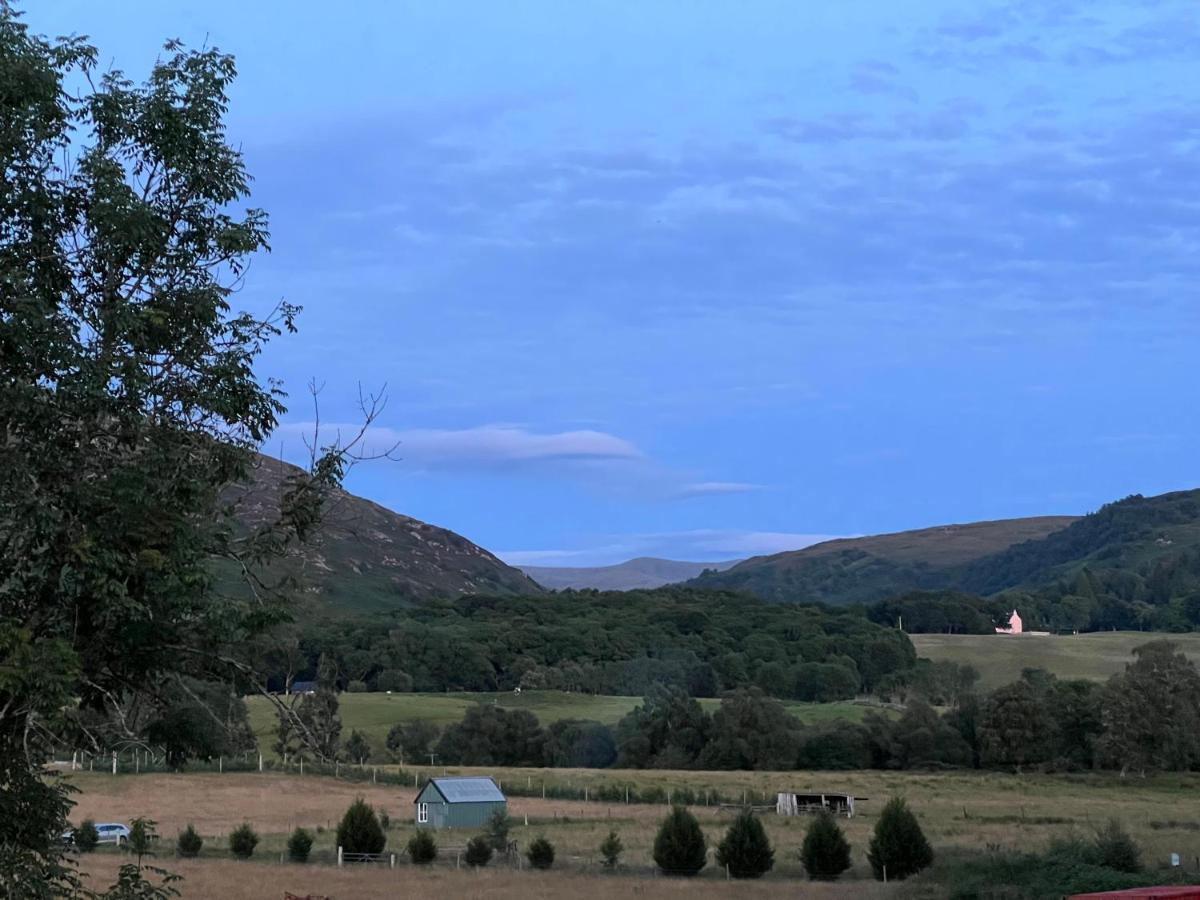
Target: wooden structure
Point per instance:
(788, 804)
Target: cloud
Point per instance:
(709, 488)
(700, 545)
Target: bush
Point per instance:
(86, 836)
(359, 831)
(1115, 849)
(479, 851)
(299, 845)
(745, 850)
(611, 849)
(189, 842)
(498, 826)
(422, 848)
(825, 851)
(242, 841)
(898, 847)
(540, 853)
(141, 837)
(358, 748)
(679, 847)
(356, 687)
(385, 821)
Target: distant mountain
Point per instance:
(367, 558)
(853, 570)
(643, 572)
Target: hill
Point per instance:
(367, 558)
(1000, 658)
(643, 572)
(861, 570)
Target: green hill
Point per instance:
(367, 558)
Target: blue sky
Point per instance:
(705, 280)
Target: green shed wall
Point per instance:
(457, 815)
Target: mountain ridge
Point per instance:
(632, 574)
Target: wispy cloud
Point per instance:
(709, 488)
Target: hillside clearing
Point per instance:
(375, 713)
(1000, 658)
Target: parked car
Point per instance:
(108, 832)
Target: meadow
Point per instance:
(960, 812)
(1000, 658)
(375, 713)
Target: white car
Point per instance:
(107, 833)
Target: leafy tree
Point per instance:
(141, 838)
(299, 845)
(479, 851)
(921, 738)
(745, 850)
(242, 841)
(611, 849)
(358, 748)
(422, 848)
(497, 828)
(751, 731)
(679, 846)
(898, 846)
(493, 736)
(825, 851)
(411, 740)
(1115, 849)
(86, 836)
(359, 831)
(130, 404)
(201, 720)
(313, 727)
(668, 731)
(1016, 727)
(578, 744)
(189, 843)
(540, 853)
(1151, 712)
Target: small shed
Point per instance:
(789, 804)
(465, 802)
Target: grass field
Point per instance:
(1000, 658)
(374, 714)
(959, 811)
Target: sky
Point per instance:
(706, 280)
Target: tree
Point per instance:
(422, 848)
(411, 740)
(578, 744)
(493, 736)
(479, 851)
(898, 846)
(360, 831)
(825, 851)
(299, 845)
(201, 720)
(358, 748)
(498, 825)
(189, 843)
(86, 836)
(1151, 712)
(667, 731)
(540, 853)
(242, 841)
(679, 846)
(745, 850)
(611, 849)
(1115, 849)
(1016, 728)
(130, 406)
(751, 731)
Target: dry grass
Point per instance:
(959, 810)
(231, 880)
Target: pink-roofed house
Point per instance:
(1014, 625)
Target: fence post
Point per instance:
(337, 768)
(392, 861)
(260, 762)
(302, 772)
(137, 763)
(339, 856)
(220, 765)
(114, 762)
(74, 756)
(374, 772)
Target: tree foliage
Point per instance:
(679, 846)
(189, 843)
(745, 850)
(422, 848)
(242, 841)
(825, 851)
(360, 831)
(479, 851)
(299, 845)
(611, 849)
(540, 853)
(898, 846)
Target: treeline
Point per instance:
(1145, 719)
(622, 643)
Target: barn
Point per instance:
(458, 802)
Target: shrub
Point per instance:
(479, 851)
(356, 687)
(679, 847)
(498, 826)
(1115, 849)
(825, 851)
(359, 830)
(611, 849)
(358, 748)
(242, 841)
(189, 842)
(745, 850)
(540, 853)
(385, 821)
(299, 845)
(141, 837)
(86, 836)
(422, 848)
(898, 847)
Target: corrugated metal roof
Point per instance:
(468, 790)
